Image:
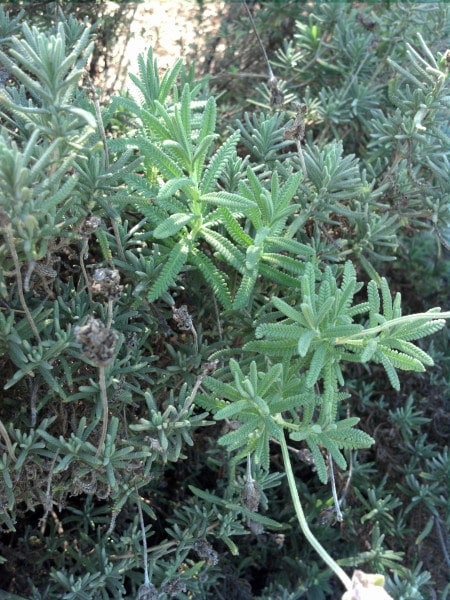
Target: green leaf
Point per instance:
(390, 370)
(217, 164)
(213, 276)
(369, 351)
(223, 245)
(176, 259)
(172, 186)
(234, 202)
(316, 365)
(172, 225)
(304, 342)
(231, 410)
(288, 310)
(242, 297)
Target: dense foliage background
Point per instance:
(200, 265)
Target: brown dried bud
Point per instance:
(107, 283)
(98, 343)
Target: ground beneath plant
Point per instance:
(174, 29)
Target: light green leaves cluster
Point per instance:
(260, 402)
(326, 328)
(313, 338)
(245, 228)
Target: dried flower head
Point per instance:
(147, 591)
(204, 550)
(90, 226)
(107, 283)
(98, 343)
(296, 131)
(276, 95)
(182, 318)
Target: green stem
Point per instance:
(302, 519)
(10, 242)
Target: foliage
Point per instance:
(171, 287)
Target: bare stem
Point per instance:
(110, 314)
(269, 68)
(301, 157)
(337, 507)
(26, 310)
(104, 397)
(144, 541)
(345, 579)
(83, 253)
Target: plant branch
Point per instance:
(427, 316)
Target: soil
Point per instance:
(174, 29)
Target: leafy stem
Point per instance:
(406, 319)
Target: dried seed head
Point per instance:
(204, 550)
(90, 225)
(147, 591)
(98, 343)
(182, 318)
(107, 283)
(251, 495)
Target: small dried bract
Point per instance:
(98, 343)
(107, 283)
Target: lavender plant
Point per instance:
(175, 288)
